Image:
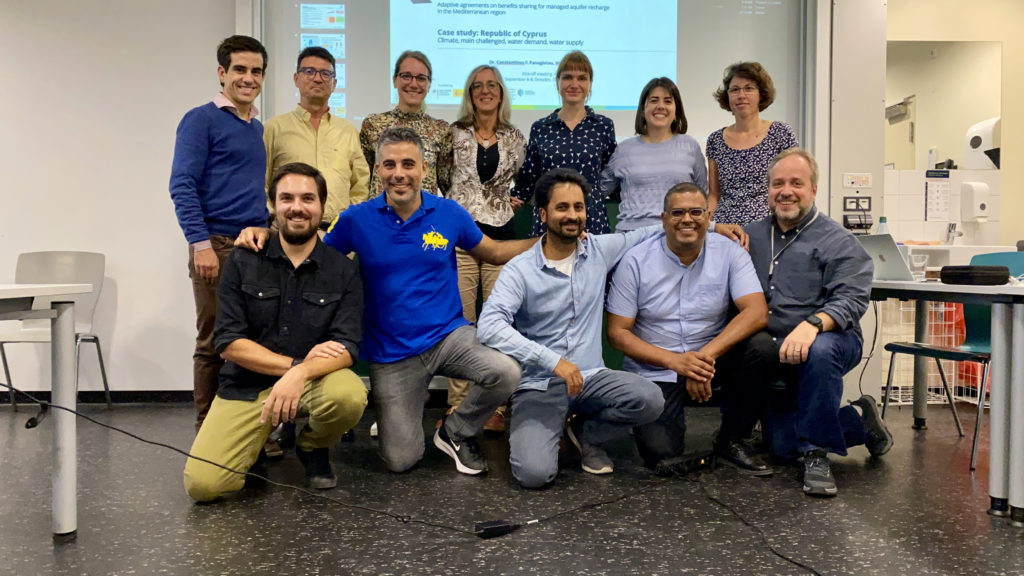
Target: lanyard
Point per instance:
(771, 263)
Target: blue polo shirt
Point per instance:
(410, 278)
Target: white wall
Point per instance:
(91, 103)
(980, 20)
(93, 92)
(955, 84)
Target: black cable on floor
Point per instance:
(405, 519)
(764, 539)
(874, 341)
(402, 518)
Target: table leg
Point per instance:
(1016, 461)
(920, 366)
(999, 411)
(65, 449)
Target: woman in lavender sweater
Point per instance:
(660, 156)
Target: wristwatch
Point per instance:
(813, 320)
(297, 361)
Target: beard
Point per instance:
(556, 229)
(296, 237)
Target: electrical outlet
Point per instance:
(856, 203)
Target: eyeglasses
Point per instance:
(695, 213)
(745, 89)
(408, 77)
(492, 86)
(311, 73)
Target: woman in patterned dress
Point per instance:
(412, 81)
(739, 154)
(487, 151)
(571, 137)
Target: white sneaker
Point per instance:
(373, 429)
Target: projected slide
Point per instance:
(628, 43)
(322, 16)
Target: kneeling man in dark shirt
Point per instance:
(288, 326)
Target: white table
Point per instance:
(16, 304)
(1006, 395)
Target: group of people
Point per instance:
(724, 279)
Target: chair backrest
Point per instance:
(64, 267)
(977, 317)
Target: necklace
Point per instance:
(485, 140)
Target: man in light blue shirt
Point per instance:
(545, 311)
(668, 311)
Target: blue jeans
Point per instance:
(612, 402)
(400, 390)
(812, 417)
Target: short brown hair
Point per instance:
(752, 71)
(575, 60)
(679, 124)
(795, 151)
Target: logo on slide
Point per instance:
(434, 241)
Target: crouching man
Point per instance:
(288, 326)
(817, 279)
(545, 311)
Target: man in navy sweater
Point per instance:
(217, 180)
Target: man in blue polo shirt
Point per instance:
(668, 310)
(413, 326)
(217, 185)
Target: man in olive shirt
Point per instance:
(312, 135)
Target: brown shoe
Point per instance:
(447, 412)
(273, 450)
(496, 423)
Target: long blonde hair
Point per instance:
(467, 112)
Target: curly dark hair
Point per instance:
(752, 71)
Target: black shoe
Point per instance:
(735, 453)
(879, 439)
(683, 465)
(465, 453)
(818, 479)
(318, 468)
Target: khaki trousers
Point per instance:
(232, 434)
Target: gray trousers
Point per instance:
(400, 389)
(612, 402)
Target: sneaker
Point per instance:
(594, 459)
(818, 479)
(879, 439)
(496, 423)
(465, 453)
(318, 468)
(735, 453)
(373, 429)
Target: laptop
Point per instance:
(889, 262)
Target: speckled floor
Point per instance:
(917, 511)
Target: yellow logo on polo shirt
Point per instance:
(434, 241)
